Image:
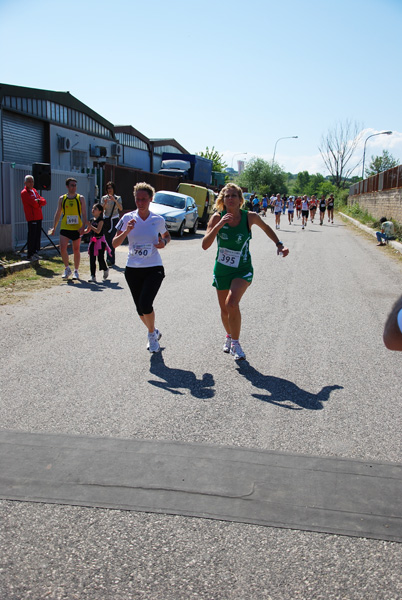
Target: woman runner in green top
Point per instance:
(233, 271)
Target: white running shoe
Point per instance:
(92, 279)
(227, 344)
(105, 274)
(153, 341)
(236, 351)
(75, 274)
(67, 273)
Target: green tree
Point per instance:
(263, 177)
(302, 182)
(381, 163)
(218, 163)
(312, 184)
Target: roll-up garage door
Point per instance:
(23, 139)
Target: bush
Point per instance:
(341, 199)
(356, 212)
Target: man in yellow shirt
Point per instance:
(73, 210)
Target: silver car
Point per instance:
(179, 211)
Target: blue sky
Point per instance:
(230, 74)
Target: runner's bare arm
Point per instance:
(57, 216)
(121, 235)
(216, 222)
(84, 214)
(255, 219)
(392, 332)
(163, 240)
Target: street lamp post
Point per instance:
(364, 151)
(290, 137)
(237, 154)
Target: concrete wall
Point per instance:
(6, 238)
(381, 204)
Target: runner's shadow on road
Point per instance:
(179, 378)
(118, 269)
(284, 393)
(99, 286)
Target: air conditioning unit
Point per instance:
(94, 151)
(64, 144)
(116, 150)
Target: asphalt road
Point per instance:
(319, 381)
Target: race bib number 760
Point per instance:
(141, 250)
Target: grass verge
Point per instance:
(46, 273)
(363, 216)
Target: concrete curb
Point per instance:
(14, 267)
(396, 245)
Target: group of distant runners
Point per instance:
(304, 207)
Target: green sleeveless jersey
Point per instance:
(233, 247)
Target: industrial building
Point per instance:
(43, 126)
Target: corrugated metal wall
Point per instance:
(23, 139)
(387, 180)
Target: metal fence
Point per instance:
(12, 211)
(386, 180)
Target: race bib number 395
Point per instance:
(230, 258)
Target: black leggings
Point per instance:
(101, 258)
(144, 284)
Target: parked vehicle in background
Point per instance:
(190, 167)
(179, 211)
(203, 197)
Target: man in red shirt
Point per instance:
(32, 203)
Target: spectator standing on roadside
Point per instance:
(32, 203)
(97, 243)
(256, 204)
(73, 212)
(112, 204)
